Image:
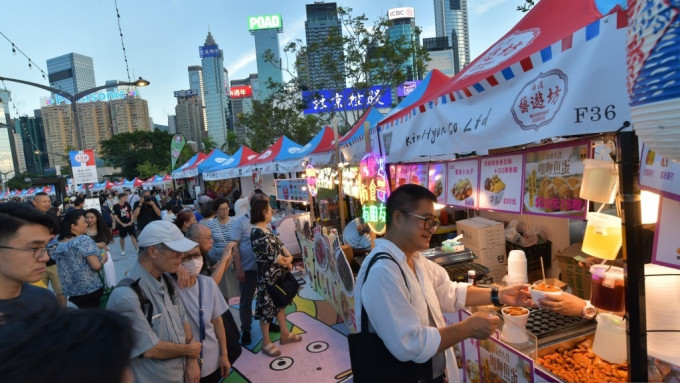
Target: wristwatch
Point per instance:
(494, 297)
(589, 311)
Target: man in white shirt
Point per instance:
(409, 318)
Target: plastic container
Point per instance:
(514, 326)
(607, 291)
(517, 267)
(610, 338)
(603, 236)
(600, 180)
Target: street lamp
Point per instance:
(73, 98)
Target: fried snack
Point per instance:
(545, 287)
(438, 189)
(462, 189)
(580, 364)
(559, 193)
(515, 311)
(494, 184)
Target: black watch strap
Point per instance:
(494, 297)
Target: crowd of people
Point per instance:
(167, 317)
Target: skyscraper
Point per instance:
(189, 114)
(60, 133)
(441, 55)
(450, 20)
(130, 115)
(243, 93)
(402, 25)
(322, 20)
(266, 30)
(215, 89)
(97, 117)
(71, 72)
(7, 167)
(32, 133)
(196, 83)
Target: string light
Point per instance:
(31, 63)
(122, 43)
(14, 49)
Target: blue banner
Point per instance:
(209, 51)
(327, 100)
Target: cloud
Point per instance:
(482, 6)
(242, 62)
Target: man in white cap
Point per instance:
(164, 349)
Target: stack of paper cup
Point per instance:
(517, 268)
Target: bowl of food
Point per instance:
(494, 188)
(462, 189)
(542, 290)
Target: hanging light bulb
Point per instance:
(14, 50)
(30, 66)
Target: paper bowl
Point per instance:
(495, 198)
(537, 295)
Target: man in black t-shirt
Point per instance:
(24, 235)
(122, 214)
(146, 210)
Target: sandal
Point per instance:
(271, 350)
(291, 339)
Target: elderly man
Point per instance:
(24, 235)
(164, 349)
(42, 203)
(405, 294)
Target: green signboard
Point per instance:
(264, 22)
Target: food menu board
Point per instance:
(666, 240)
(552, 181)
(500, 181)
(659, 174)
(351, 182)
(419, 175)
(462, 183)
(437, 181)
(402, 175)
(293, 189)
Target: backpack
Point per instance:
(144, 301)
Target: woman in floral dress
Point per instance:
(272, 259)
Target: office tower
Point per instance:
(441, 56)
(302, 69)
(322, 20)
(172, 124)
(17, 152)
(215, 89)
(450, 20)
(60, 133)
(402, 25)
(7, 162)
(130, 115)
(71, 72)
(242, 95)
(266, 31)
(189, 117)
(196, 83)
(97, 117)
(32, 133)
(4, 106)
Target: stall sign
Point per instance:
(393, 177)
(437, 181)
(501, 363)
(552, 181)
(659, 174)
(83, 166)
(403, 175)
(374, 192)
(324, 179)
(500, 181)
(666, 240)
(292, 190)
(310, 173)
(351, 181)
(462, 183)
(331, 100)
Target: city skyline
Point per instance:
(162, 39)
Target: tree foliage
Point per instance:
(370, 58)
(128, 150)
(208, 144)
(17, 182)
(147, 170)
(526, 7)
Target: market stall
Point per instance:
(221, 178)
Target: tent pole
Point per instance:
(627, 158)
(341, 193)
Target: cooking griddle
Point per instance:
(459, 272)
(548, 325)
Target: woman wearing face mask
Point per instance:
(204, 306)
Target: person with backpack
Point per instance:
(164, 350)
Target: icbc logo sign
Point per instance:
(400, 13)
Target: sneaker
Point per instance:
(245, 338)
(273, 327)
(122, 252)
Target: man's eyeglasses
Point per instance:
(37, 251)
(429, 223)
(190, 256)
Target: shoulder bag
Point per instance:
(284, 289)
(371, 361)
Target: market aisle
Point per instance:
(322, 356)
